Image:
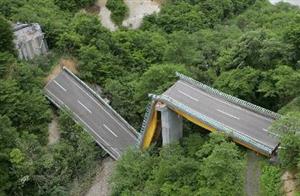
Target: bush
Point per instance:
(118, 10)
(6, 36)
(270, 181)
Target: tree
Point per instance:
(6, 36)
(222, 172)
(8, 137)
(137, 50)
(257, 49)
(280, 85)
(118, 9)
(288, 127)
(270, 181)
(95, 65)
(175, 17)
(239, 82)
(176, 169)
(182, 49)
(53, 21)
(292, 36)
(131, 172)
(6, 62)
(73, 5)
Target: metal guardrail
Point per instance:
(219, 126)
(146, 120)
(103, 102)
(66, 109)
(229, 98)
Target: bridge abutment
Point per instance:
(171, 124)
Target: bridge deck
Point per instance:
(244, 121)
(110, 131)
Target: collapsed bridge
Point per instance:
(245, 123)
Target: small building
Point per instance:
(29, 40)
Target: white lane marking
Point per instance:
(271, 133)
(228, 114)
(60, 86)
(229, 104)
(131, 134)
(106, 144)
(84, 106)
(187, 95)
(106, 127)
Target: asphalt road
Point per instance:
(233, 116)
(110, 132)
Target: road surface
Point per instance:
(241, 120)
(110, 131)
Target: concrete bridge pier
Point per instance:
(171, 124)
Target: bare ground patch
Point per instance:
(64, 62)
(101, 182)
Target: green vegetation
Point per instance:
(249, 49)
(270, 181)
(6, 35)
(73, 5)
(118, 9)
(197, 166)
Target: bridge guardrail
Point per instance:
(229, 98)
(219, 126)
(103, 102)
(146, 120)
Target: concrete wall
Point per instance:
(29, 41)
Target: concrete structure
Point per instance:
(108, 128)
(171, 124)
(213, 110)
(29, 40)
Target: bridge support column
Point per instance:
(171, 124)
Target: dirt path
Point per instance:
(252, 174)
(54, 134)
(138, 9)
(289, 183)
(104, 15)
(100, 186)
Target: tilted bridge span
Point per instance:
(245, 123)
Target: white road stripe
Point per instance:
(271, 133)
(60, 86)
(224, 102)
(187, 95)
(106, 127)
(131, 134)
(228, 114)
(106, 144)
(84, 106)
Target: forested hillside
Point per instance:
(249, 49)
